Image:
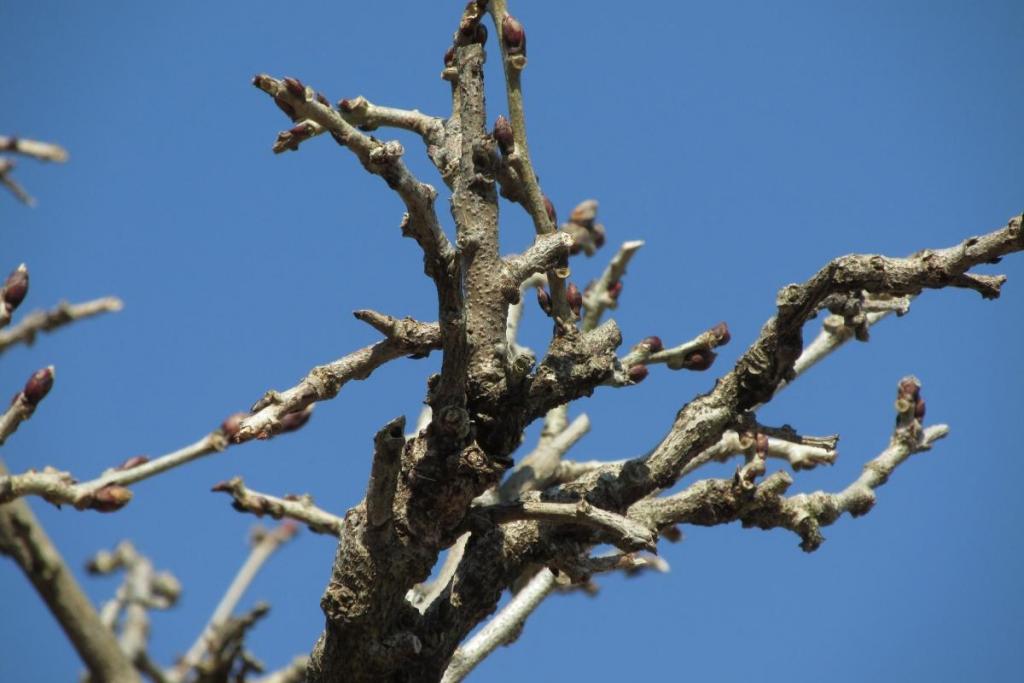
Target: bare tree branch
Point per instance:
(497, 631)
(107, 492)
(711, 502)
(19, 192)
(770, 359)
(407, 337)
(47, 321)
(295, 672)
(604, 293)
(43, 151)
(264, 544)
(142, 589)
(24, 404)
(512, 40)
(23, 539)
(299, 508)
(619, 530)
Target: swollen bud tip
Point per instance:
(544, 300)
(637, 373)
(295, 86)
(653, 343)
(38, 386)
(110, 498)
(294, 421)
(16, 287)
(699, 360)
(132, 462)
(550, 208)
(514, 35)
(721, 332)
(503, 135)
(574, 298)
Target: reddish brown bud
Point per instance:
(598, 235)
(449, 56)
(16, 287)
(110, 498)
(544, 300)
(133, 461)
(503, 135)
(615, 290)
(323, 100)
(699, 360)
(910, 388)
(346, 105)
(258, 80)
(672, 534)
(919, 410)
(514, 35)
(761, 444)
(38, 386)
(295, 86)
(550, 208)
(574, 298)
(637, 373)
(480, 35)
(575, 248)
(232, 424)
(293, 421)
(288, 110)
(653, 343)
(721, 332)
(300, 131)
(226, 486)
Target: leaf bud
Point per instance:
(132, 462)
(110, 498)
(514, 35)
(550, 208)
(574, 298)
(544, 300)
(699, 360)
(503, 135)
(232, 424)
(721, 333)
(653, 343)
(615, 290)
(38, 386)
(294, 421)
(16, 287)
(295, 86)
(637, 373)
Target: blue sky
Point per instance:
(747, 142)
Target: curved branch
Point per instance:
(406, 337)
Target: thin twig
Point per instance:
(43, 151)
(106, 492)
(23, 539)
(47, 321)
(266, 542)
(621, 531)
(19, 192)
(325, 381)
(604, 293)
(297, 507)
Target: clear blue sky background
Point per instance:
(747, 142)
